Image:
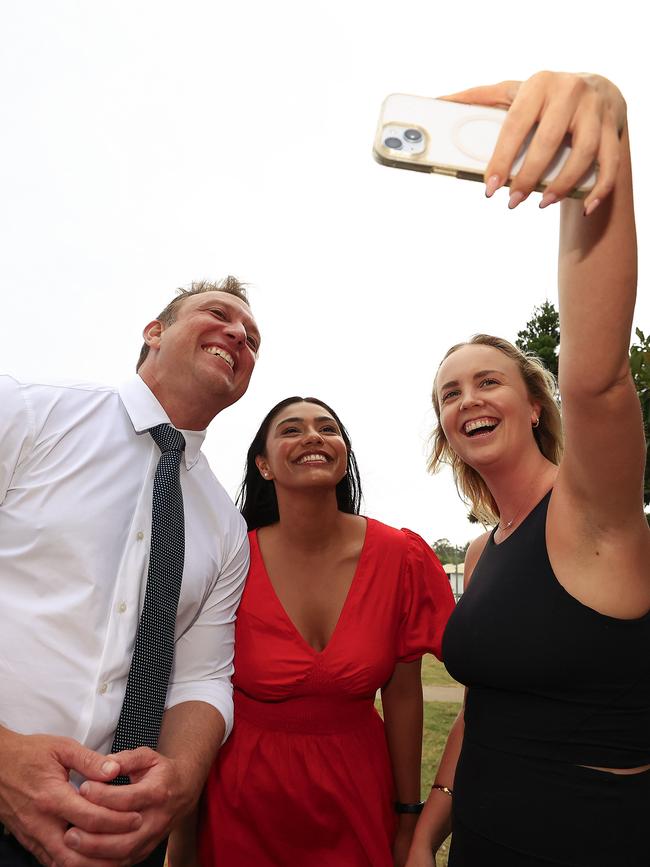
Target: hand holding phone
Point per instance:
(457, 139)
(472, 135)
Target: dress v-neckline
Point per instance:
(344, 607)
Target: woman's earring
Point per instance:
(536, 422)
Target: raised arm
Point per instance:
(601, 477)
(604, 443)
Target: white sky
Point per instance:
(146, 144)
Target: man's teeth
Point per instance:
(478, 423)
(307, 459)
(215, 350)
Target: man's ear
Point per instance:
(152, 333)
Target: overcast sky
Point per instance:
(148, 144)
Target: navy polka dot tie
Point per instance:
(153, 654)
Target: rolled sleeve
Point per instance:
(203, 664)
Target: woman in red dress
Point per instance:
(336, 606)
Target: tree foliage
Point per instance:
(448, 553)
(541, 336)
(640, 366)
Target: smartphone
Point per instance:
(451, 138)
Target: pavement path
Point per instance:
(443, 693)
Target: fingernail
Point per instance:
(137, 821)
(72, 840)
(84, 788)
(548, 199)
(515, 199)
(492, 185)
(591, 207)
(110, 767)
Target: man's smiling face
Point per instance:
(207, 354)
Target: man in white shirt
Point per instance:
(76, 478)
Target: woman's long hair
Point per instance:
(542, 389)
(256, 497)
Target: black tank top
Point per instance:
(548, 677)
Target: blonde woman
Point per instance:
(550, 762)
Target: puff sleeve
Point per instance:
(426, 601)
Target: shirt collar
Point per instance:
(146, 412)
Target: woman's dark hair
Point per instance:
(256, 498)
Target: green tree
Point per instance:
(640, 366)
(541, 336)
(448, 553)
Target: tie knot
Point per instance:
(167, 438)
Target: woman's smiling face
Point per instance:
(304, 447)
(486, 412)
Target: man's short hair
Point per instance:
(229, 284)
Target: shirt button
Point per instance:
(140, 536)
(103, 688)
(121, 607)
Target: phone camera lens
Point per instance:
(393, 143)
(413, 135)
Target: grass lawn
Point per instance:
(434, 673)
(438, 717)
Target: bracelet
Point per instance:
(408, 808)
(444, 789)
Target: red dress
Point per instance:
(305, 778)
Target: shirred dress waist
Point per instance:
(309, 714)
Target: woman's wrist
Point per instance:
(434, 825)
(429, 839)
(407, 820)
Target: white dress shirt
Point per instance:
(76, 481)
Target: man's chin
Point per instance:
(223, 398)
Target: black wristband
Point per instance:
(408, 808)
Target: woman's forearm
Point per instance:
(182, 849)
(403, 718)
(597, 275)
(434, 825)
